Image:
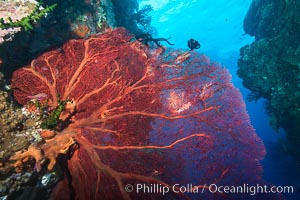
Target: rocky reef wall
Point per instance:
(71, 19)
(270, 66)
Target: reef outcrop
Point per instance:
(14, 10)
(68, 20)
(18, 130)
(270, 66)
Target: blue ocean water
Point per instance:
(218, 26)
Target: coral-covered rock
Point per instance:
(69, 20)
(151, 119)
(15, 10)
(270, 66)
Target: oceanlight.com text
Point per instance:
(144, 188)
(249, 189)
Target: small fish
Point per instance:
(39, 96)
(44, 68)
(156, 173)
(193, 44)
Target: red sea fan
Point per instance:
(154, 122)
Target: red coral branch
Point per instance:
(147, 147)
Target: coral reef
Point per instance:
(20, 136)
(16, 15)
(50, 150)
(11, 122)
(26, 22)
(69, 20)
(15, 10)
(139, 115)
(270, 66)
